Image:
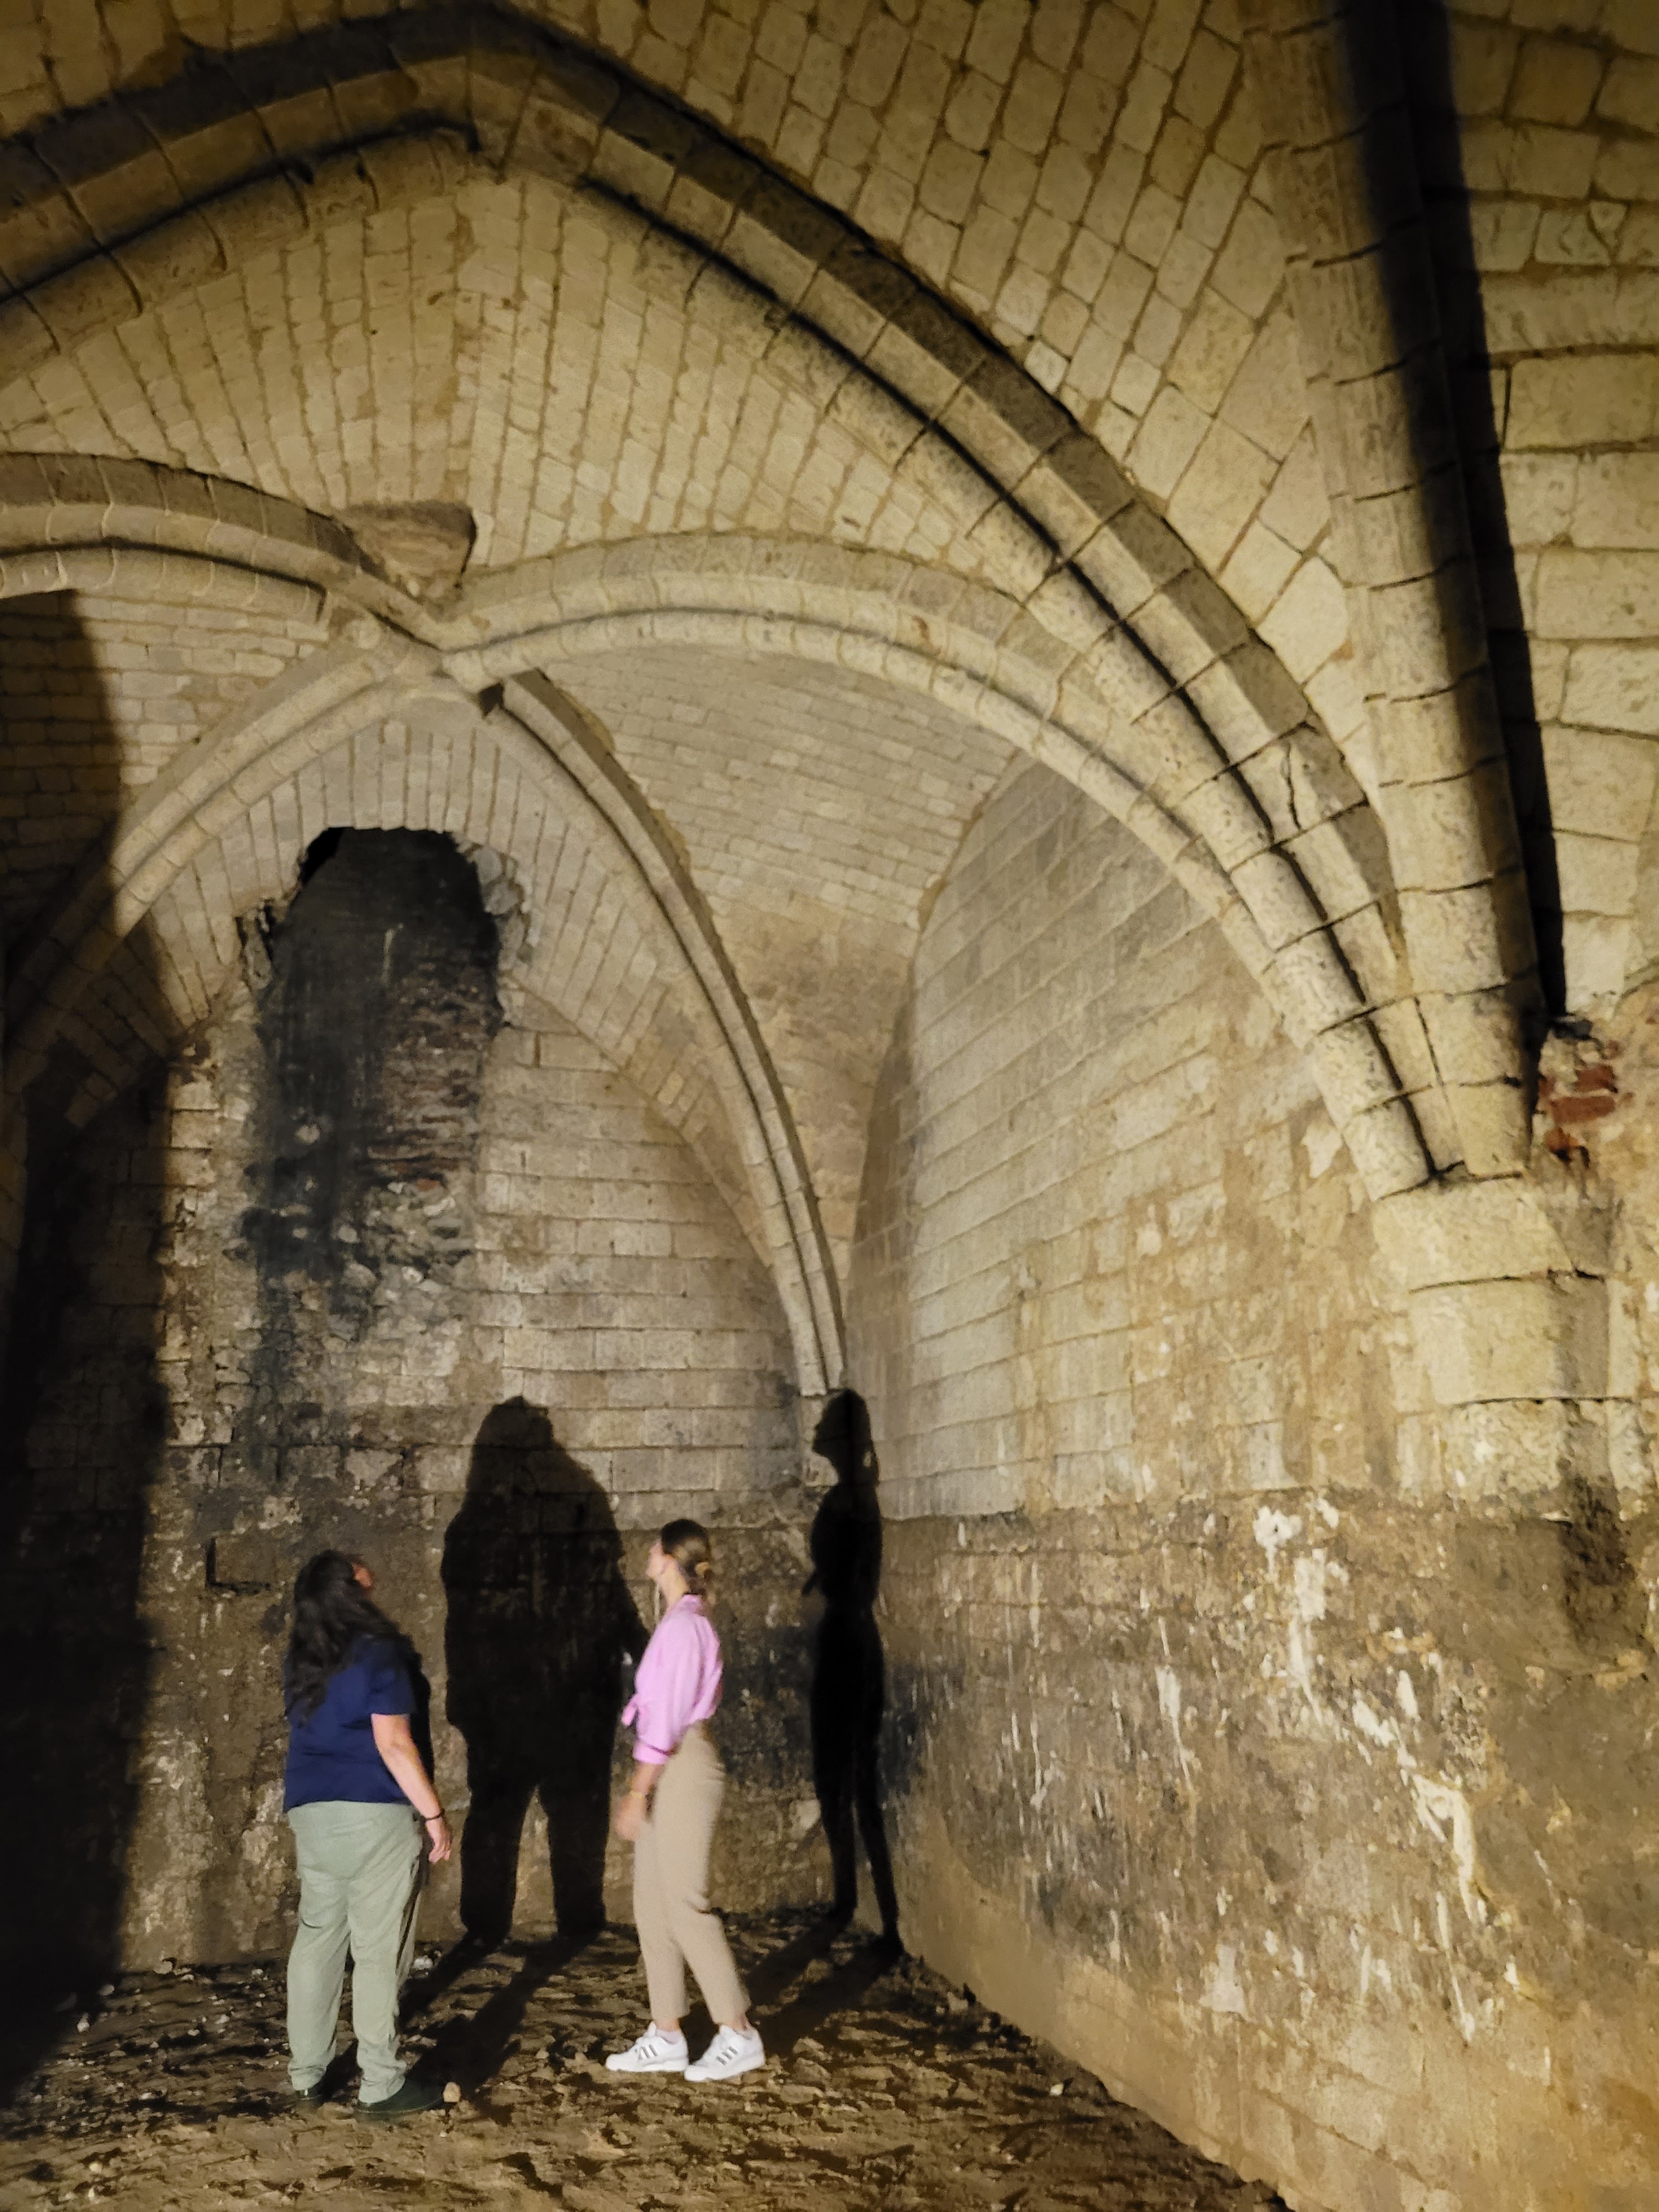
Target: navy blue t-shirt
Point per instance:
(332, 1757)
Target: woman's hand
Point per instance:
(631, 1808)
(396, 1745)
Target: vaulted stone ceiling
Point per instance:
(447, 265)
(734, 471)
(819, 811)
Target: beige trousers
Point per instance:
(671, 1889)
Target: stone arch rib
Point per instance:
(1055, 518)
(80, 522)
(796, 1235)
(851, 608)
(1272, 871)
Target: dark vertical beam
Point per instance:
(1332, 99)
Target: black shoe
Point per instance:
(313, 2096)
(414, 2097)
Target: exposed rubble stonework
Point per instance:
(703, 703)
(1281, 1692)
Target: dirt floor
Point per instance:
(884, 2088)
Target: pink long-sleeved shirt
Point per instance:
(678, 1682)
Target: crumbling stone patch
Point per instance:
(1578, 1084)
(886, 2088)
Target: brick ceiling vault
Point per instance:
(1077, 625)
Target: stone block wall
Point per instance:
(97, 695)
(367, 1270)
(1110, 1247)
(1253, 1714)
(1271, 1569)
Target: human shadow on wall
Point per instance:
(82, 1407)
(540, 1630)
(849, 1680)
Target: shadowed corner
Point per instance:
(540, 1630)
(1477, 403)
(81, 1399)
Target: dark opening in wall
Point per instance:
(321, 849)
(374, 1024)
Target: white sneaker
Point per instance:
(733, 2051)
(654, 2052)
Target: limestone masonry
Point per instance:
(700, 702)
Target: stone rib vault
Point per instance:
(1036, 623)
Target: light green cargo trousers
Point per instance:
(359, 1884)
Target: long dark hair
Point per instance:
(332, 1613)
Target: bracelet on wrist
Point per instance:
(438, 1815)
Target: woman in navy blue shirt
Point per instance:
(365, 1817)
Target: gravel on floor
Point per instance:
(884, 2089)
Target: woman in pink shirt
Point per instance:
(668, 1815)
